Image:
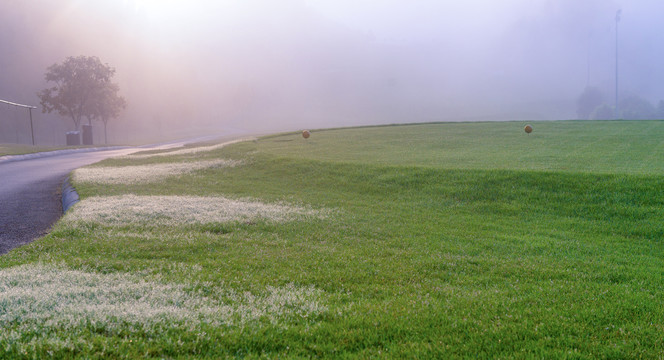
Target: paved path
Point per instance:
(31, 189)
(30, 194)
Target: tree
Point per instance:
(82, 85)
(106, 105)
(636, 108)
(659, 112)
(603, 112)
(588, 101)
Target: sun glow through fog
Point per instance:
(294, 64)
(159, 9)
(169, 13)
(171, 21)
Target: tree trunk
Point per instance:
(105, 137)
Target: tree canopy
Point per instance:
(636, 108)
(106, 105)
(588, 101)
(83, 88)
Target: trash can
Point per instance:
(87, 134)
(73, 138)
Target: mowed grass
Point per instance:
(606, 147)
(468, 240)
(17, 149)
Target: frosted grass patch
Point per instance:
(188, 151)
(178, 210)
(145, 173)
(40, 298)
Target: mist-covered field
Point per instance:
(188, 68)
(449, 240)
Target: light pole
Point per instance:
(617, 113)
(590, 41)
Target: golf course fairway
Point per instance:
(441, 240)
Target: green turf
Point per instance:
(18, 149)
(469, 240)
(571, 146)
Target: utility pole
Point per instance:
(618, 13)
(590, 36)
(32, 129)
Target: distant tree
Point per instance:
(636, 108)
(82, 85)
(659, 112)
(106, 105)
(588, 101)
(603, 112)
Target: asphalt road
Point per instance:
(30, 194)
(31, 190)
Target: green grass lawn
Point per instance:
(17, 149)
(453, 240)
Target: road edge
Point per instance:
(38, 155)
(69, 196)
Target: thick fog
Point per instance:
(202, 66)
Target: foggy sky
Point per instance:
(278, 65)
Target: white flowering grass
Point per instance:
(39, 298)
(188, 151)
(144, 173)
(179, 210)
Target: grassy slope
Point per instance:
(608, 147)
(448, 240)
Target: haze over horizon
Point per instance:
(259, 65)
